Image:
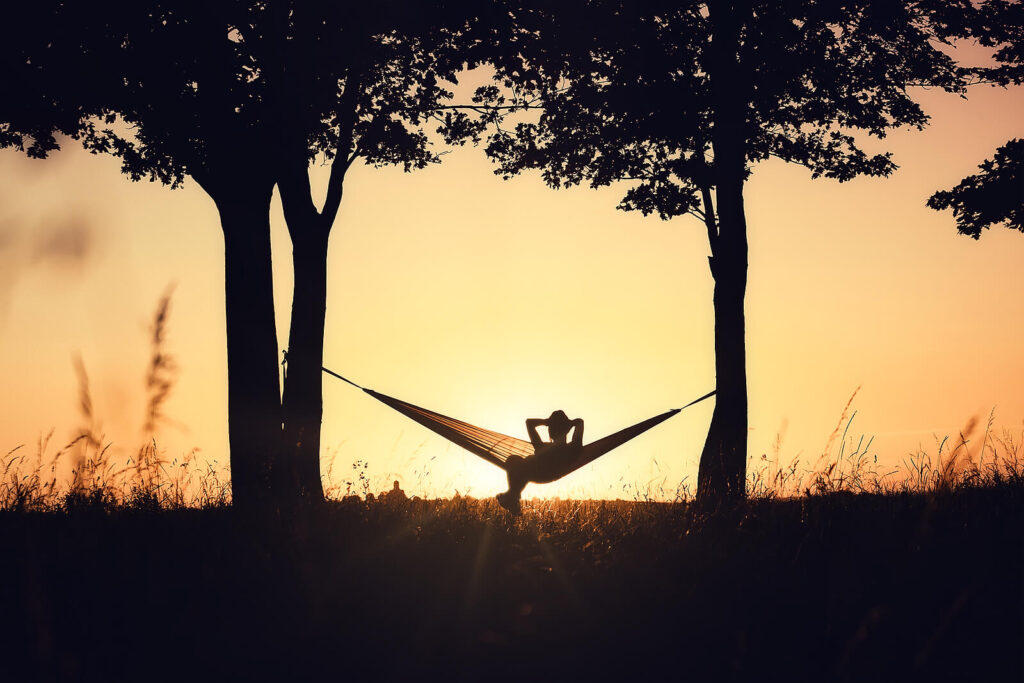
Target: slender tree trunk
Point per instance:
(310, 230)
(254, 394)
(723, 463)
(303, 393)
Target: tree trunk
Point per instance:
(722, 474)
(723, 462)
(254, 394)
(303, 391)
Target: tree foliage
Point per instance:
(994, 196)
(1000, 26)
(243, 82)
(632, 99)
(45, 77)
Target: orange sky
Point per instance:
(494, 301)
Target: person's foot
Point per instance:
(509, 502)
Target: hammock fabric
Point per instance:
(497, 448)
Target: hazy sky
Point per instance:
(495, 301)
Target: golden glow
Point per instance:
(496, 301)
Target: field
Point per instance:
(138, 568)
(922, 585)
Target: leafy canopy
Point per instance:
(201, 88)
(45, 77)
(629, 89)
(994, 196)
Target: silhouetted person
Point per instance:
(549, 457)
(395, 495)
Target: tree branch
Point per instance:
(704, 172)
(342, 161)
(296, 195)
(484, 108)
(709, 217)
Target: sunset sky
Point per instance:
(495, 301)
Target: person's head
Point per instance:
(559, 425)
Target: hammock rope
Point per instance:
(497, 448)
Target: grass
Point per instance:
(137, 568)
(148, 574)
(899, 586)
(846, 465)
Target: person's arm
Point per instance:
(577, 435)
(531, 428)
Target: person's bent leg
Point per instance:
(516, 483)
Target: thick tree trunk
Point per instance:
(303, 393)
(722, 474)
(254, 394)
(723, 462)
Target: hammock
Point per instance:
(497, 448)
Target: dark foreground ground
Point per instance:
(915, 587)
